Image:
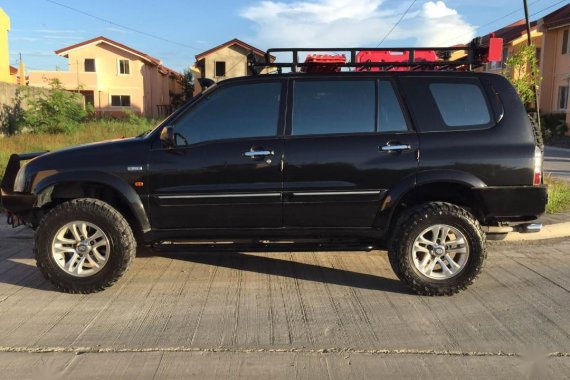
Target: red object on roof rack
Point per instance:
(394, 56)
(468, 57)
(323, 63)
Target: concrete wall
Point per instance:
(10, 105)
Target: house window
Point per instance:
(565, 42)
(562, 97)
(124, 67)
(120, 100)
(89, 65)
(220, 69)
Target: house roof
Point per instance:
(558, 18)
(233, 42)
(13, 70)
(513, 31)
(145, 57)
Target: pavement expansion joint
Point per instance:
(96, 350)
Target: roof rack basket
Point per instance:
(478, 52)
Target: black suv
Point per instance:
(425, 164)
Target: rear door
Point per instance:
(348, 142)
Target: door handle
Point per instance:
(395, 147)
(258, 153)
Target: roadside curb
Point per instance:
(549, 231)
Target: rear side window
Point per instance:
(391, 117)
(460, 104)
(329, 107)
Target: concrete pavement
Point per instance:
(305, 315)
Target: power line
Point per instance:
(510, 14)
(397, 23)
(123, 26)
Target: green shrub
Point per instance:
(553, 124)
(53, 111)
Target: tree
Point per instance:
(187, 83)
(523, 72)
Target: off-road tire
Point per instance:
(121, 239)
(416, 219)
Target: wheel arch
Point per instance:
(94, 184)
(451, 186)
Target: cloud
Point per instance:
(353, 23)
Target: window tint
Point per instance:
(333, 107)
(390, 112)
(460, 104)
(250, 110)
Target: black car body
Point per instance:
(337, 156)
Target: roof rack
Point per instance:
(378, 59)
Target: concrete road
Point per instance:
(557, 162)
(303, 315)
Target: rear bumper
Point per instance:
(513, 203)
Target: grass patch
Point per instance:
(558, 195)
(89, 132)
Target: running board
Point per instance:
(264, 246)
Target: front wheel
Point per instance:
(83, 246)
(437, 248)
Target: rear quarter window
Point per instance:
(460, 104)
(447, 103)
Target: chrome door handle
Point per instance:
(258, 153)
(395, 148)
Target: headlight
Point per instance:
(20, 182)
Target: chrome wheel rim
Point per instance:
(440, 252)
(80, 248)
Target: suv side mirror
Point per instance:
(167, 137)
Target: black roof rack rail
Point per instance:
(475, 56)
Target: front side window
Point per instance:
(120, 101)
(331, 107)
(124, 67)
(562, 97)
(89, 65)
(460, 104)
(250, 110)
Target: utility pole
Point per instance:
(532, 74)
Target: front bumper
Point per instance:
(513, 203)
(16, 203)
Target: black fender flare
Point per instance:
(394, 196)
(129, 195)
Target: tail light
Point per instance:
(537, 167)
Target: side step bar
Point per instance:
(524, 228)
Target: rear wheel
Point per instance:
(83, 246)
(437, 248)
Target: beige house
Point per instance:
(114, 78)
(228, 60)
(555, 61)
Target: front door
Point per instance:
(224, 170)
(348, 144)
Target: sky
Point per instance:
(174, 31)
